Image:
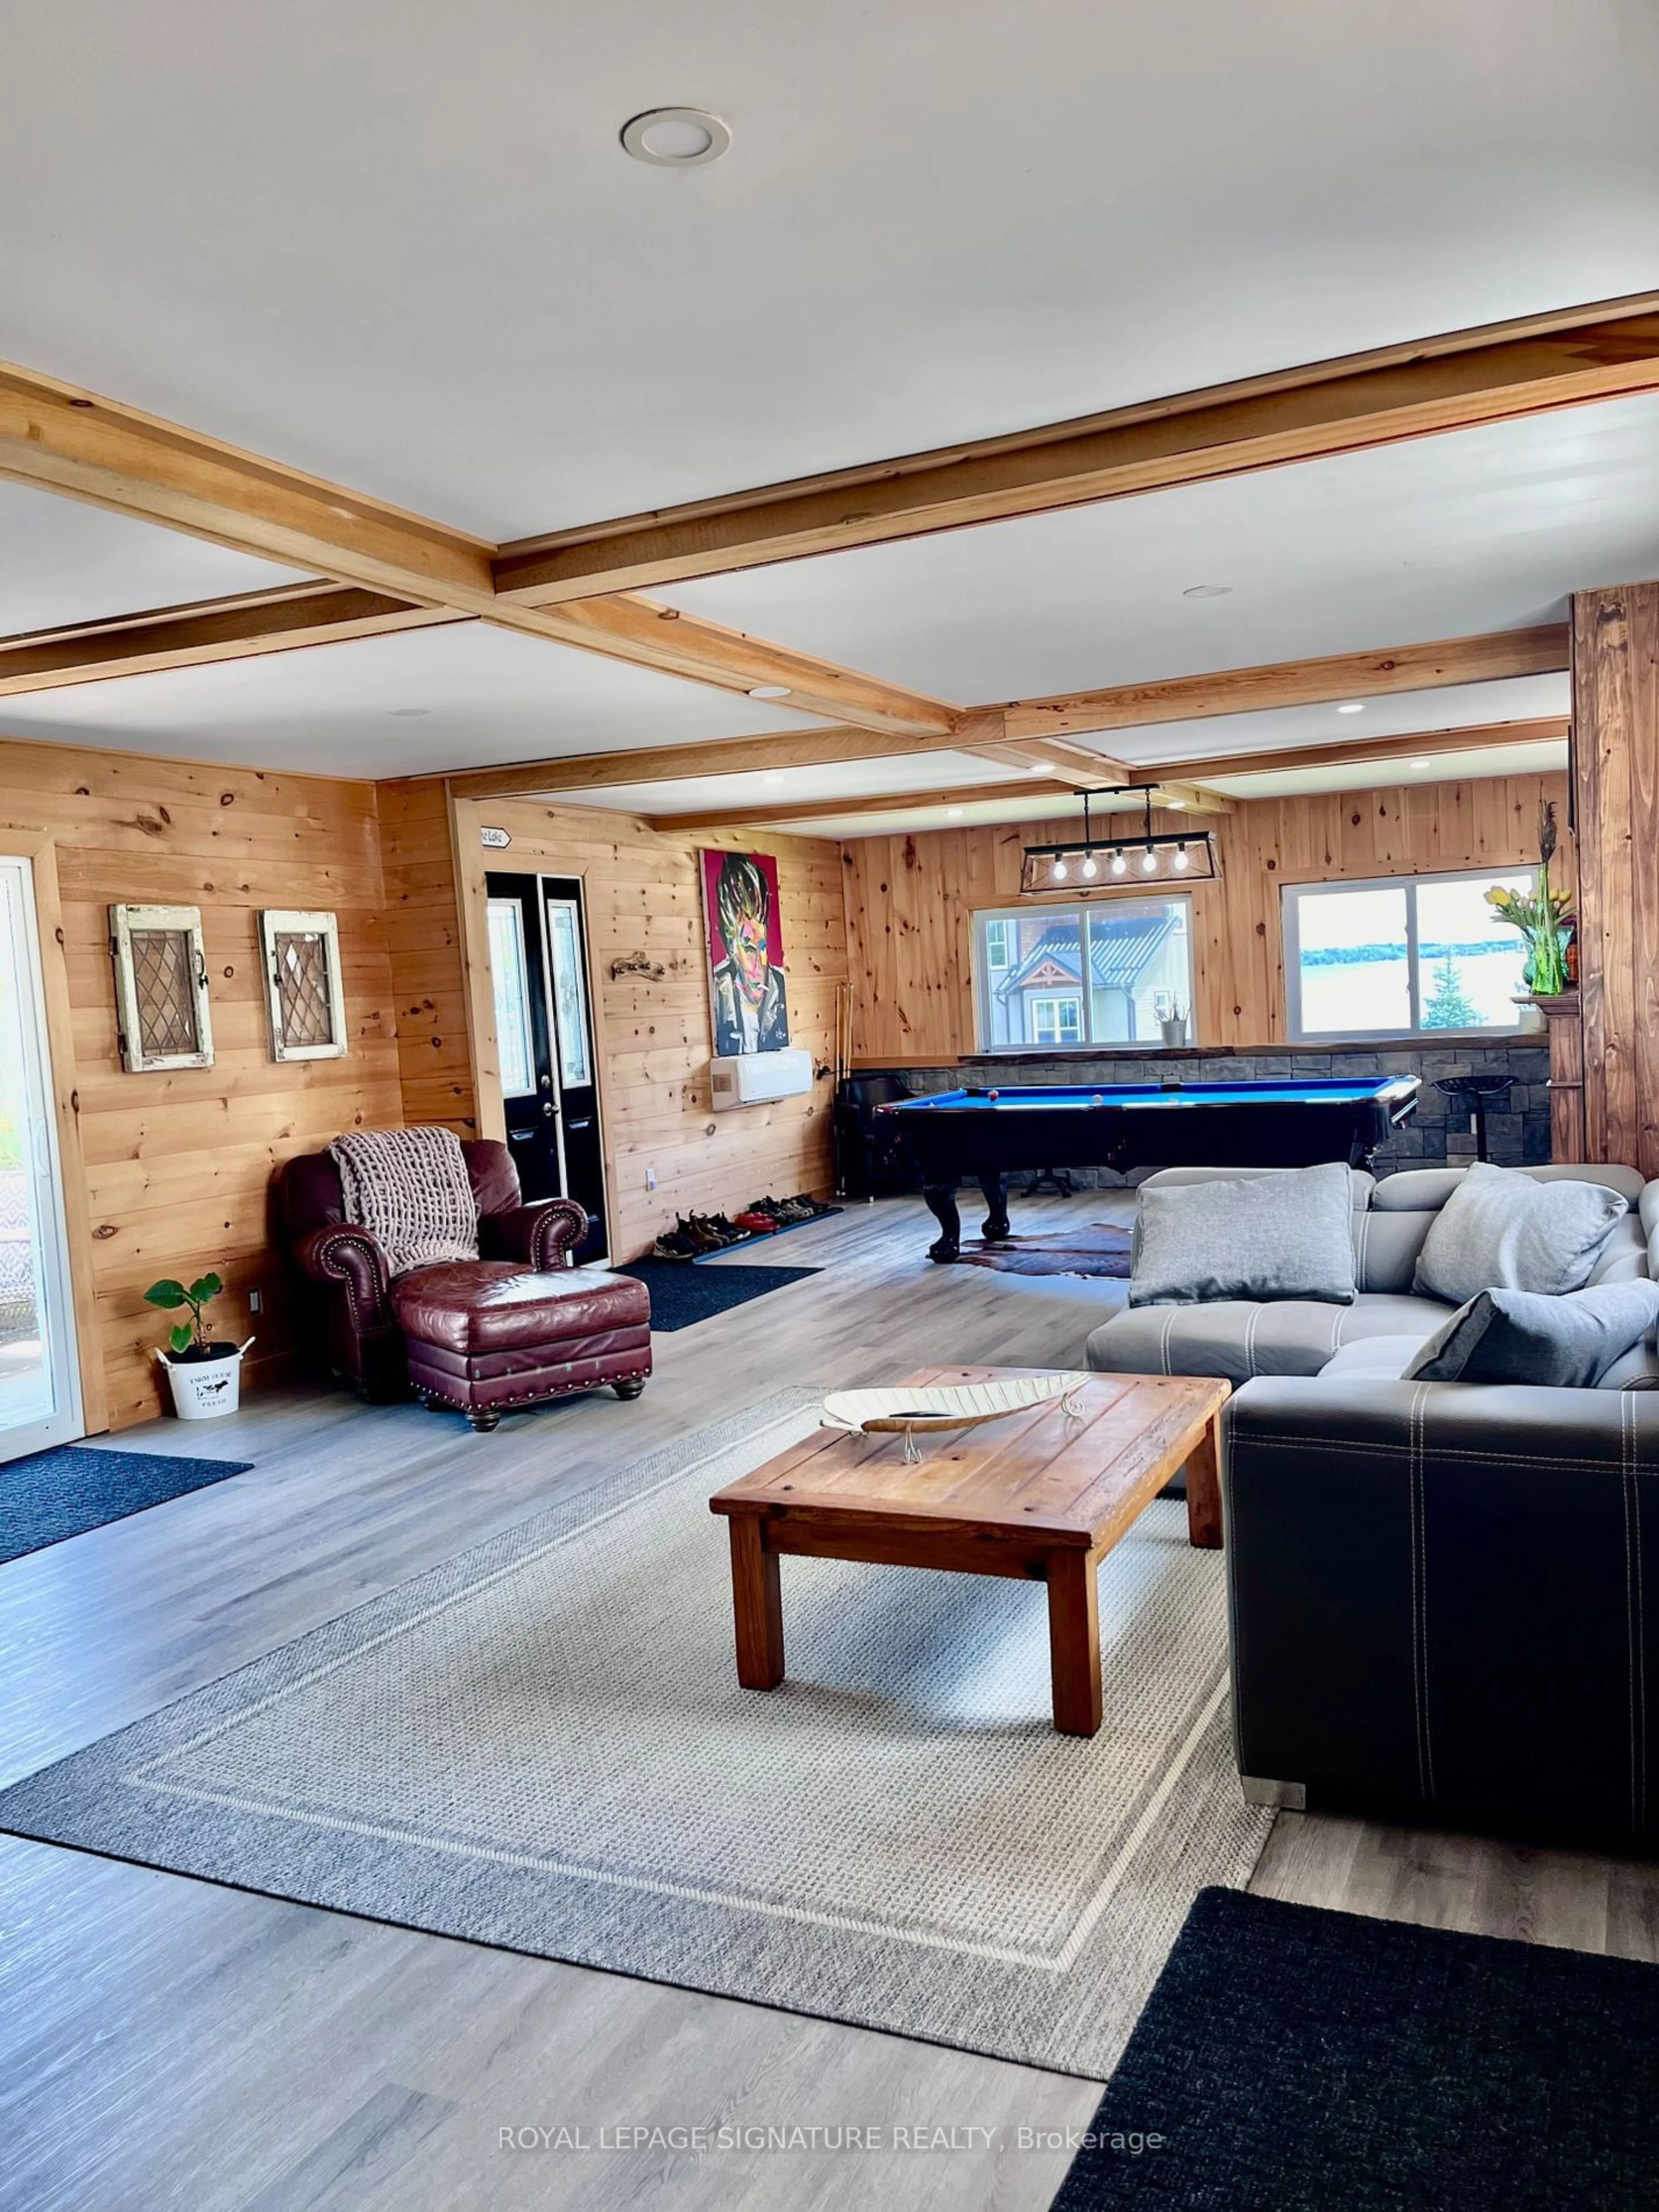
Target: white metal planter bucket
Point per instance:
(204, 1388)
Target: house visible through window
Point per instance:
(1069, 976)
(1403, 956)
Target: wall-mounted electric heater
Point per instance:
(753, 1079)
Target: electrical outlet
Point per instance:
(651, 1178)
(256, 1302)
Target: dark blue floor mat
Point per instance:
(682, 1292)
(54, 1494)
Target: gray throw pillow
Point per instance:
(1279, 1236)
(1520, 1336)
(1500, 1230)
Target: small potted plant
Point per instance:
(204, 1373)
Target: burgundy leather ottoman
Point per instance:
(485, 1336)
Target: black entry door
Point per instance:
(544, 1036)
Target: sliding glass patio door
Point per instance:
(39, 1387)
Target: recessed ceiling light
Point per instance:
(768, 691)
(408, 713)
(1038, 768)
(1175, 805)
(955, 813)
(1352, 707)
(1422, 763)
(676, 138)
(771, 776)
(1207, 591)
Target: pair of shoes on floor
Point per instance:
(694, 1234)
(786, 1212)
(676, 1243)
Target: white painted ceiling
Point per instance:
(63, 563)
(399, 246)
(481, 695)
(396, 242)
(1445, 536)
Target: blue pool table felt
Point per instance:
(1014, 1096)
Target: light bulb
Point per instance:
(1149, 861)
(1119, 863)
(1180, 856)
(1058, 872)
(1089, 868)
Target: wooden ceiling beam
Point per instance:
(1455, 381)
(1036, 796)
(1078, 768)
(786, 811)
(1550, 729)
(62, 440)
(987, 731)
(1493, 658)
(653, 636)
(253, 623)
(1188, 797)
(781, 749)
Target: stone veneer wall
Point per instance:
(1439, 1136)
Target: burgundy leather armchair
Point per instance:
(517, 1327)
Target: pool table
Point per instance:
(989, 1133)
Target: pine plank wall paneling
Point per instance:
(423, 934)
(644, 905)
(909, 900)
(177, 1166)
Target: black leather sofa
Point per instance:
(1445, 1602)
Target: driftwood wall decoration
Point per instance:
(637, 963)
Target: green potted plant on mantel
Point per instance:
(204, 1373)
(1546, 924)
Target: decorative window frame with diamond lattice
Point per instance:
(161, 1010)
(298, 1033)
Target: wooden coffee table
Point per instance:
(1037, 1495)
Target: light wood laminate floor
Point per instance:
(165, 2043)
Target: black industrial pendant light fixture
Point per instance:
(1118, 863)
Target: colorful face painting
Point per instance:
(746, 994)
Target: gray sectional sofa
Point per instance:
(1239, 1339)
(1443, 1596)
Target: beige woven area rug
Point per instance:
(542, 1745)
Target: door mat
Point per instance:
(51, 1495)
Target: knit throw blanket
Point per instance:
(410, 1190)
